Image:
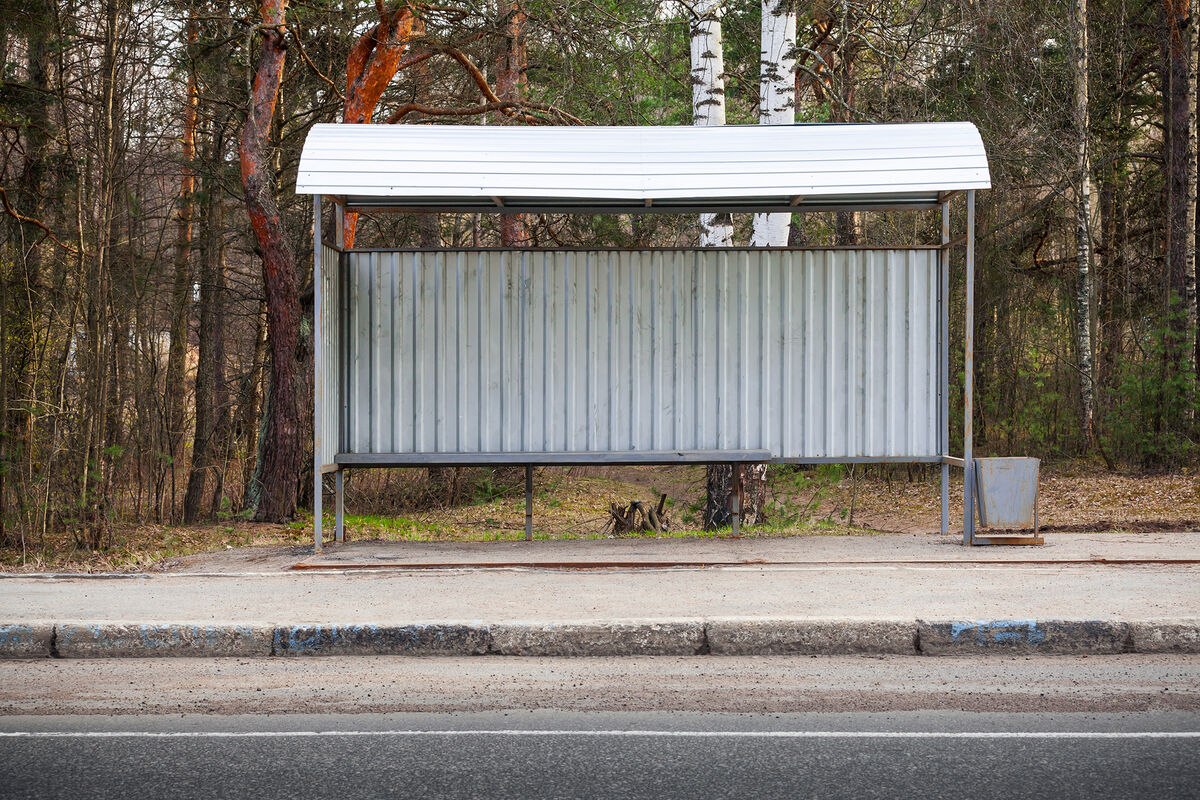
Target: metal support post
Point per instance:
(944, 363)
(969, 380)
(340, 506)
(318, 389)
(737, 499)
(528, 502)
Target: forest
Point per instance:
(155, 262)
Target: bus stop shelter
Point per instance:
(535, 357)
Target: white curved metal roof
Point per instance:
(650, 168)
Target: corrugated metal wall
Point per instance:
(328, 395)
(807, 354)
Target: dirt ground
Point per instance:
(574, 504)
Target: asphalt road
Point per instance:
(604, 754)
(1011, 727)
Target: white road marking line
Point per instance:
(614, 734)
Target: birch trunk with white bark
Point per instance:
(776, 100)
(708, 99)
(1083, 236)
(716, 230)
(1192, 344)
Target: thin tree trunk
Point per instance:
(281, 440)
(177, 352)
(1083, 234)
(21, 306)
(1192, 342)
(210, 368)
(845, 222)
(1108, 268)
(249, 400)
(211, 404)
(776, 100)
(708, 99)
(94, 482)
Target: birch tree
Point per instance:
(776, 99)
(1193, 185)
(716, 230)
(708, 99)
(1083, 236)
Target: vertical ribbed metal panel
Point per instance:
(329, 370)
(807, 354)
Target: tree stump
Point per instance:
(637, 517)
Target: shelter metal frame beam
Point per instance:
(344, 460)
(967, 462)
(375, 206)
(568, 458)
(834, 248)
(969, 380)
(318, 387)
(631, 458)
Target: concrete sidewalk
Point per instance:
(1081, 593)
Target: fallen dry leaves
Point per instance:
(574, 504)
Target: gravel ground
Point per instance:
(365, 684)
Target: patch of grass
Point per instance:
(396, 528)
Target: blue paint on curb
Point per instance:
(1001, 630)
(430, 638)
(14, 635)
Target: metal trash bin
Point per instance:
(1006, 491)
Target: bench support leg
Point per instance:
(528, 503)
(737, 499)
(339, 531)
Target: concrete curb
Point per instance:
(1166, 636)
(604, 638)
(27, 640)
(132, 640)
(628, 638)
(1048, 637)
(422, 639)
(774, 637)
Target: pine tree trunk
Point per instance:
(776, 100)
(281, 437)
(510, 86)
(1178, 117)
(370, 67)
